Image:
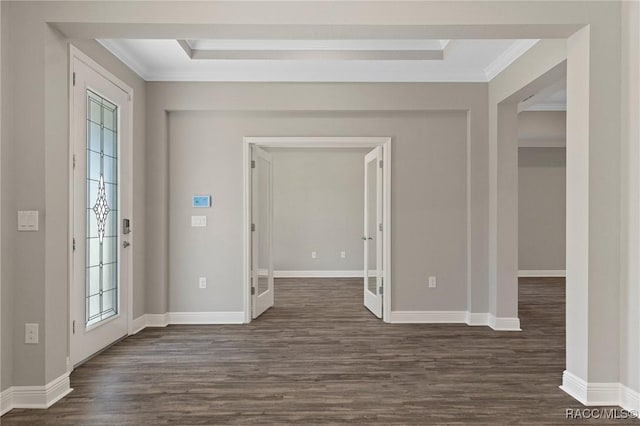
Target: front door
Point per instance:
(262, 290)
(373, 231)
(101, 189)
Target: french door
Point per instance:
(372, 238)
(262, 291)
(101, 186)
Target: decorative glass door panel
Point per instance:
(101, 186)
(101, 286)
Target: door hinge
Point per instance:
(253, 291)
(74, 78)
(73, 326)
(74, 161)
(74, 244)
(380, 227)
(253, 227)
(381, 290)
(380, 163)
(253, 164)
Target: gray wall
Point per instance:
(435, 128)
(429, 210)
(35, 170)
(542, 190)
(542, 128)
(6, 291)
(541, 208)
(318, 197)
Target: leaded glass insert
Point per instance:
(101, 288)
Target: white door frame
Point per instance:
(77, 54)
(317, 142)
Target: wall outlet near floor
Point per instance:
(314, 254)
(343, 254)
(203, 282)
(433, 282)
(31, 334)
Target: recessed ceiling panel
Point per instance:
(346, 60)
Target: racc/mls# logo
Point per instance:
(600, 414)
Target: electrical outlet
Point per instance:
(314, 255)
(31, 334)
(203, 282)
(433, 282)
(343, 254)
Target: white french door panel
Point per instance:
(372, 237)
(101, 189)
(262, 288)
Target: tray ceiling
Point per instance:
(346, 60)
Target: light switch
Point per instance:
(28, 220)
(433, 282)
(198, 221)
(31, 334)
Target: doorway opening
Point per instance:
(542, 217)
(374, 243)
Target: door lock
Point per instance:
(125, 244)
(126, 226)
(367, 238)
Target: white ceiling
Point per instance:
(347, 60)
(555, 101)
(551, 98)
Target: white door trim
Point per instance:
(77, 54)
(317, 142)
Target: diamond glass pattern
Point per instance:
(101, 209)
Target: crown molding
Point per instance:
(126, 58)
(517, 49)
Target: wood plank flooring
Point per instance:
(319, 357)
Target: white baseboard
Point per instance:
(428, 317)
(629, 399)
(456, 317)
(6, 401)
(542, 273)
(599, 394)
(35, 396)
(477, 319)
(504, 323)
(163, 320)
(206, 317)
(318, 274)
(156, 320)
(138, 324)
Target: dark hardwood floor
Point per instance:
(319, 357)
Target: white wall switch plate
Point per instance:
(198, 221)
(314, 254)
(31, 334)
(343, 254)
(433, 282)
(203, 282)
(28, 220)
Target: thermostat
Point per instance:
(200, 201)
